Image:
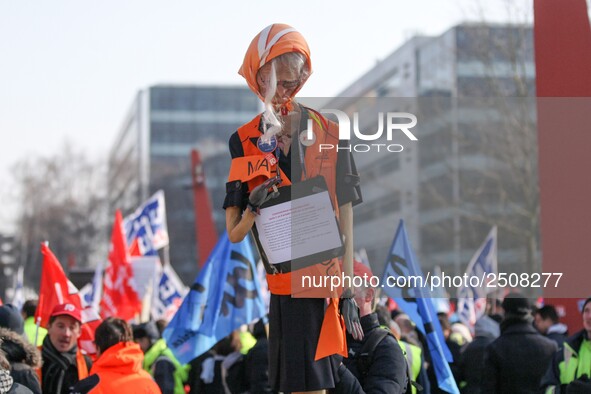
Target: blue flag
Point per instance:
(415, 300)
(225, 296)
(472, 299)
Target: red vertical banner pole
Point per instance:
(205, 232)
(562, 38)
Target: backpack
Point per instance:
(364, 357)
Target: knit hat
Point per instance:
(588, 300)
(11, 318)
(516, 304)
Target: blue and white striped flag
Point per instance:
(472, 300)
(146, 229)
(168, 295)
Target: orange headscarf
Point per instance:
(273, 41)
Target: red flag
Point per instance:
(91, 321)
(56, 289)
(119, 296)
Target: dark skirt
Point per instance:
(294, 328)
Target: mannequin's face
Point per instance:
(288, 80)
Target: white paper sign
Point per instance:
(298, 228)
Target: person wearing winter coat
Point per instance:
(63, 363)
(23, 358)
(34, 334)
(257, 362)
(384, 369)
(7, 384)
(471, 372)
(570, 371)
(547, 322)
(159, 361)
(516, 361)
(118, 368)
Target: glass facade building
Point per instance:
(152, 152)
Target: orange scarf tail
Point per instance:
(332, 338)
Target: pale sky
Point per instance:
(69, 69)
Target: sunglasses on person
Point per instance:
(288, 85)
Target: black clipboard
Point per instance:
(293, 192)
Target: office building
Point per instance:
(152, 152)
(475, 162)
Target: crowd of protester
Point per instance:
(515, 347)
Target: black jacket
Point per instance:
(470, 365)
(59, 371)
(257, 363)
(207, 361)
(18, 389)
(25, 376)
(23, 358)
(387, 373)
(517, 360)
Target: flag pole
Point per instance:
(146, 304)
(37, 324)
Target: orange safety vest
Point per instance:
(253, 169)
(81, 364)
